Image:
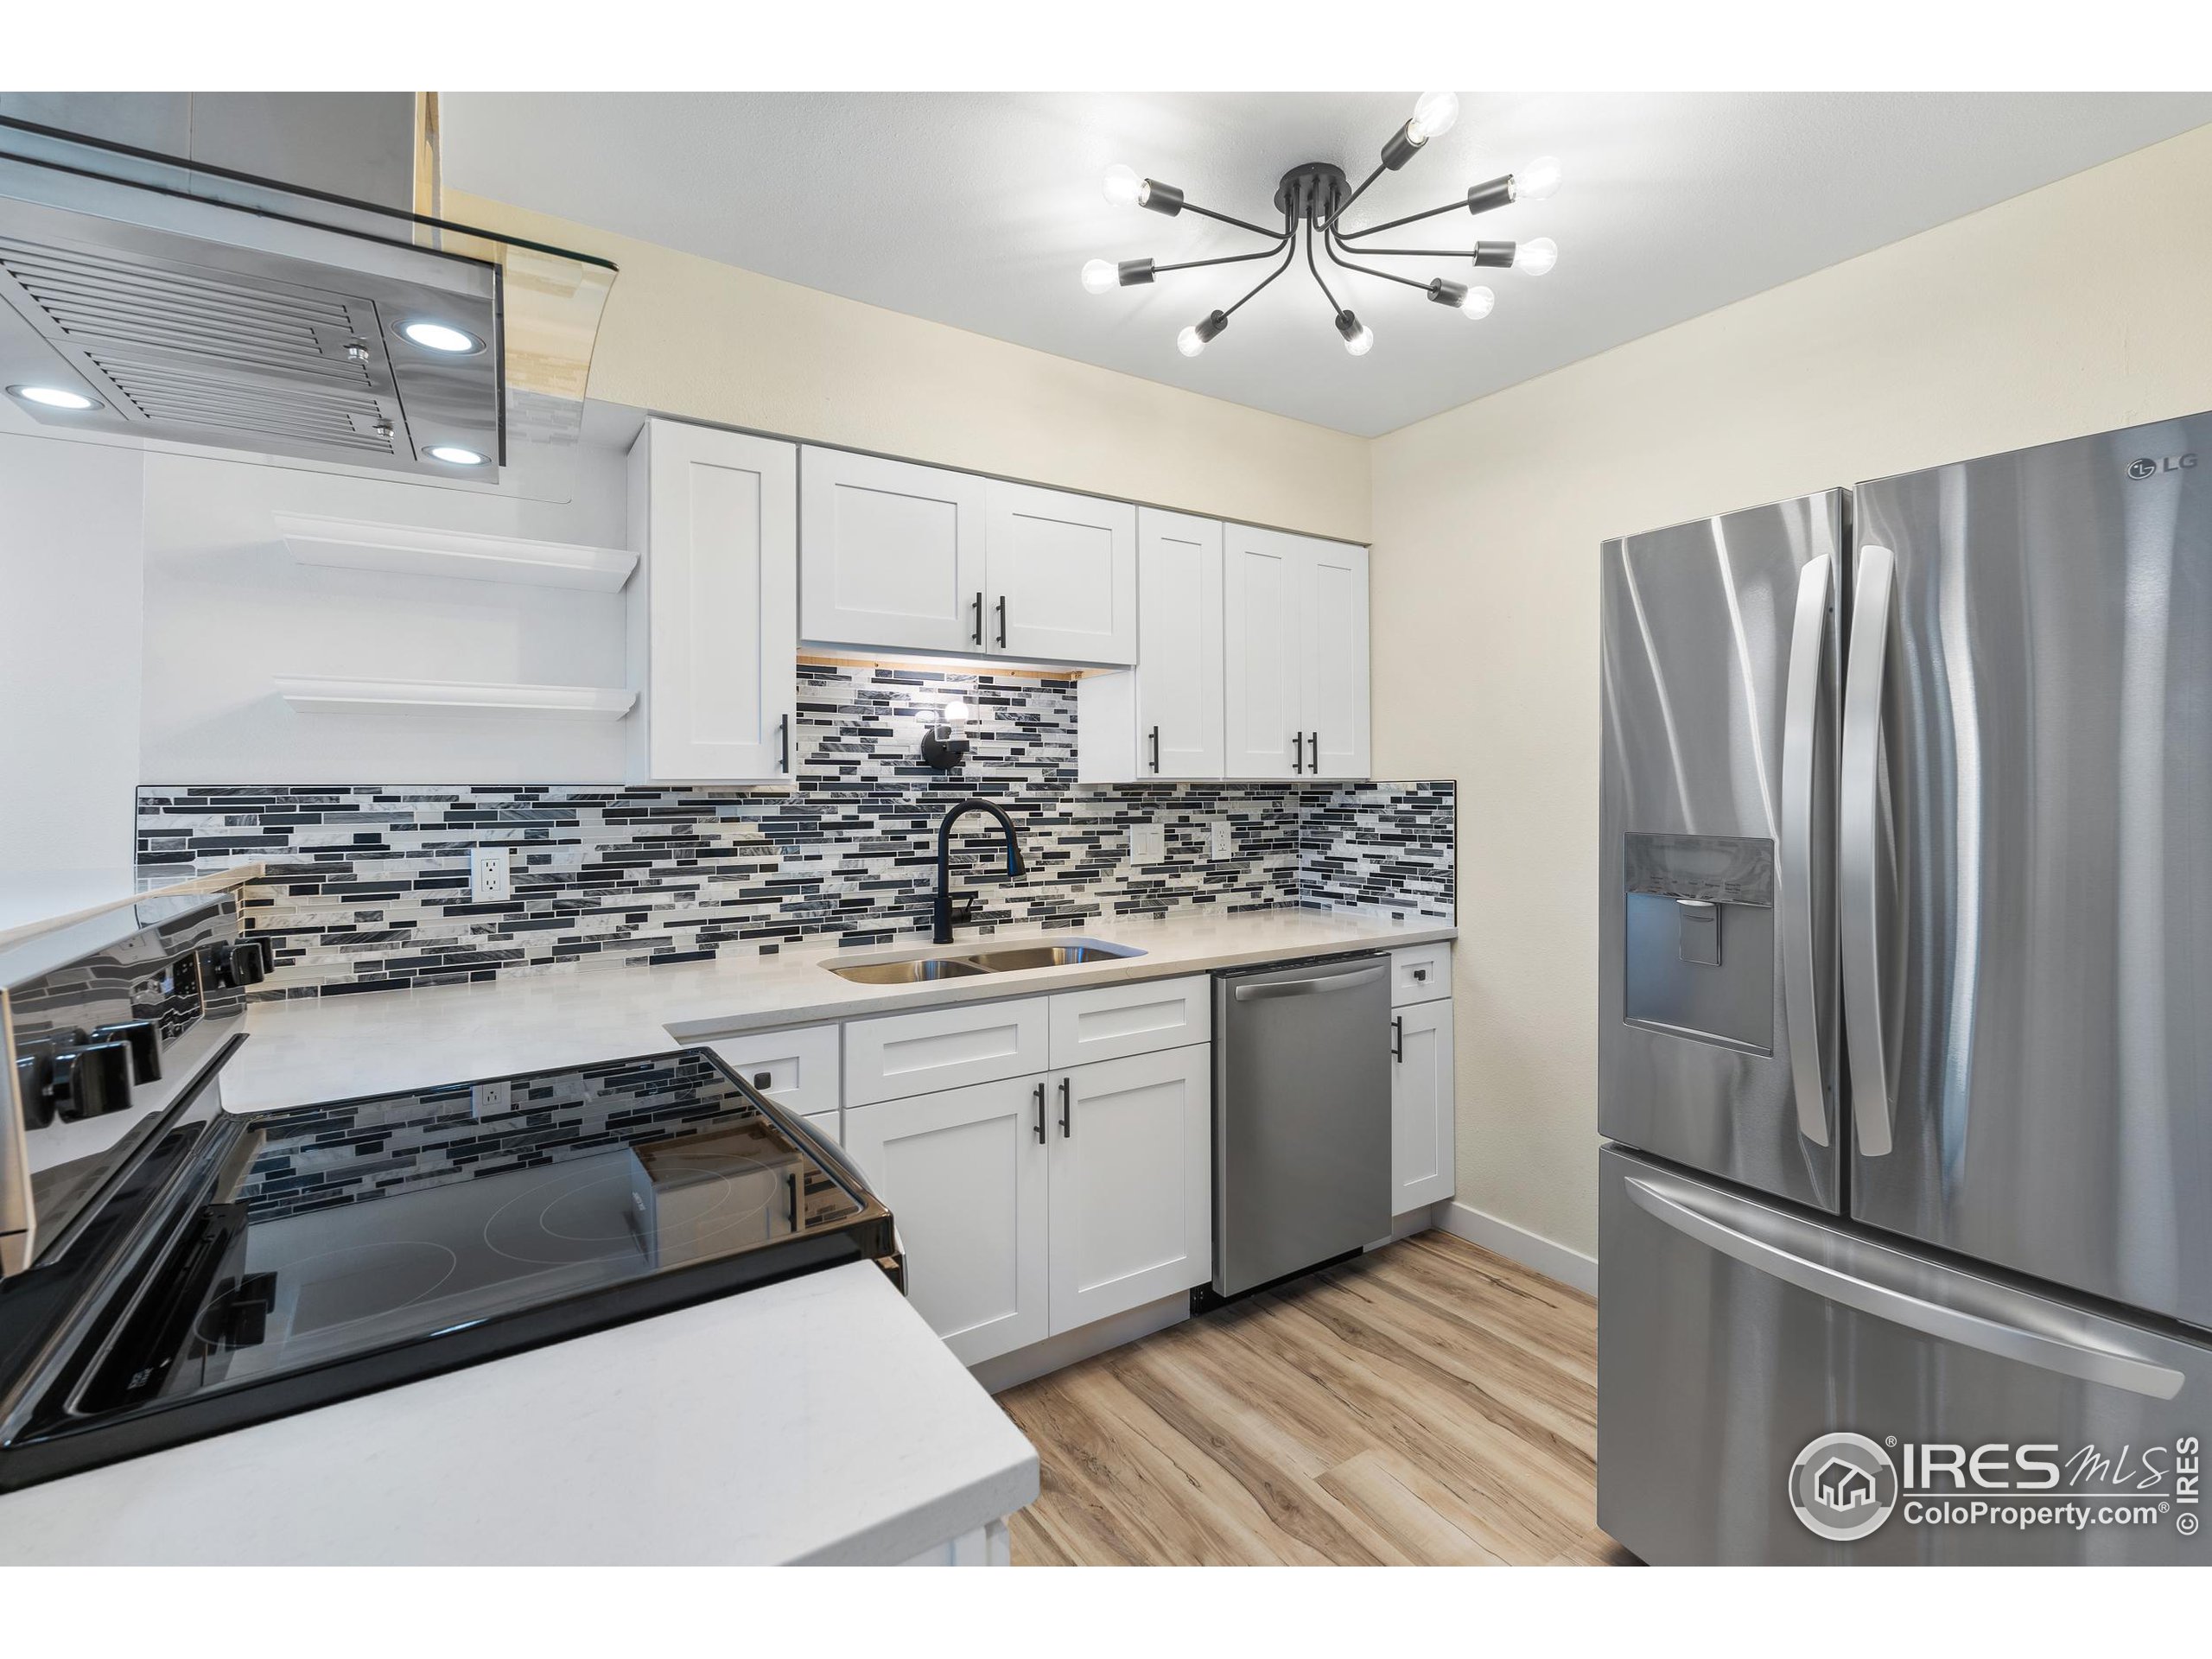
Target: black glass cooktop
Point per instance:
(344, 1247)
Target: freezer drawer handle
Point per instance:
(1801, 720)
(1899, 1307)
(1859, 831)
(1309, 986)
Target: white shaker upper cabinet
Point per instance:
(714, 613)
(1260, 590)
(1163, 718)
(1063, 577)
(1332, 652)
(891, 554)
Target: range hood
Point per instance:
(156, 279)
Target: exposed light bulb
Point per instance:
(1478, 303)
(956, 709)
(1100, 274)
(1123, 187)
(1537, 256)
(1191, 342)
(1538, 182)
(1360, 341)
(1434, 115)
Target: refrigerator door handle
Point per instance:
(1800, 718)
(1898, 1307)
(1859, 837)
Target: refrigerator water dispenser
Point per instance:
(1700, 947)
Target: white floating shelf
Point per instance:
(353, 544)
(316, 695)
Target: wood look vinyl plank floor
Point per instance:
(1428, 1404)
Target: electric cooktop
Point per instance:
(285, 1260)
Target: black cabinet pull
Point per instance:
(977, 628)
(1002, 621)
(1398, 1038)
(1155, 748)
(783, 744)
(1315, 739)
(1040, 1112)
(1067, 1111)
(1298, 751)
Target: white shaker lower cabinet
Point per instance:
(964, 1174)
(1131, 1159)
(891, 554)
(713, 607)
(796, 1067)
(1423, 1162)
(1064, 575)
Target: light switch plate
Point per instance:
(1147, 843)
(1221, 840)
(489, 881)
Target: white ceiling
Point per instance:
(978, 209)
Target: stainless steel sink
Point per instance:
(1007, 959)
(907, 973)
(1015, 956)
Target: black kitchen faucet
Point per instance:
(941, 912)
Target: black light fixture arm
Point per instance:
(1362, 190)
(1289, 251)
(1329, 245)
(1240, 223)
(1334, 308)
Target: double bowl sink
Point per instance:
(964, 964)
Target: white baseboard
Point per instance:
(1532, 1250)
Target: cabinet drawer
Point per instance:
(1115, 1020)
(800, 1065)
(896, 1055)
(828, 1125)
(1420, 973)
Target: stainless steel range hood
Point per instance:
(152, 264)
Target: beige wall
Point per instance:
(2082, 306)
(688, 336)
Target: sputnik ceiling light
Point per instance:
(1315, 195)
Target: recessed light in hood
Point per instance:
(53, 398)
(203, 304)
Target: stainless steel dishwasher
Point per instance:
(1301, 1118)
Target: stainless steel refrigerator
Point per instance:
(1905, 1017)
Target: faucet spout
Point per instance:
(941, 903)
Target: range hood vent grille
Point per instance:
(200, 303)
(190, 346)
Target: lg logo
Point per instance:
(2144, 467)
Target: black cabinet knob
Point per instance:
(34, 1087)
(144, 1038)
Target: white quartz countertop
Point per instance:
(312, 1049)
(35, 901)
(818, 1420)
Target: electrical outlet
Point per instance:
(489, 882)
(1147, 843)
(490, 1099)
(1221, 839)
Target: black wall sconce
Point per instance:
(944, 746)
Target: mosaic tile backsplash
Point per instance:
(369, 885)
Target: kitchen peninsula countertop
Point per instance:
(310, 1049)
(818, 1420)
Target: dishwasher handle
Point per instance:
(1270, 988)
